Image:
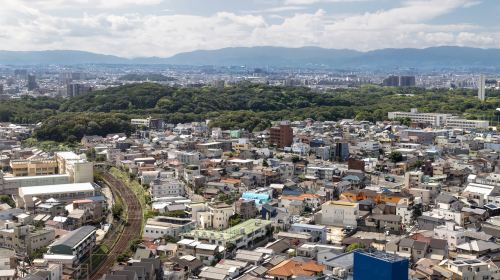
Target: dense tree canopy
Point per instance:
(261, 103)
(248, 106)
(70, 127)
(396, 156)
(28, 109)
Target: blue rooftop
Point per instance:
(259, 198)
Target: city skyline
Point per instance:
(133, 28)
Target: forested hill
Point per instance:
(444, 57)
(244, 106)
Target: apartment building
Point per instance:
(216, 216)
(282, 135)
(75, 244)
(413, 178)
(322, 171)
(24, 238)
(204, 147)
(369, 146)
(166, 187)
(242, 235)
(188, 158)
(338, 213)
(190, 172)
(245, 208)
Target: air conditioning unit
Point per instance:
(342, 273)
(335, 270)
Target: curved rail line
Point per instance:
(132, 228)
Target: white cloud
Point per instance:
(277, 9)
(310, 2)
(100, 4)
(26, 27)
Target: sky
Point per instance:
(144, 28)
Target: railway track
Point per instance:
(132, 228)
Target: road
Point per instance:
(131, 231)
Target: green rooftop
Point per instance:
(232, 233)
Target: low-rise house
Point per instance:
(291, 268)
(168, 250)
(251, 257)
(318, 232)
(339, 265)
(391, 223)
(215, 273)
(207, 253)
(477, 248)
(479, 193)
(304, 201)
(188, 264)
(469, 269)
(438, 249)
(430, 269)
(186, 247)
(453, 234)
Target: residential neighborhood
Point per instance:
(302, 200)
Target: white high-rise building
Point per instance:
(481, 93)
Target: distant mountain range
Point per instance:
(306, 57)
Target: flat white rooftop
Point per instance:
(62, 188)
(237, 160)
(208, 144)
(68, 155)
(58, 257)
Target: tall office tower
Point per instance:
(21, 73)
(32, 82)
(407, 81)
(77, 89)
(481, 93)
(391, 81)
(219, 84)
